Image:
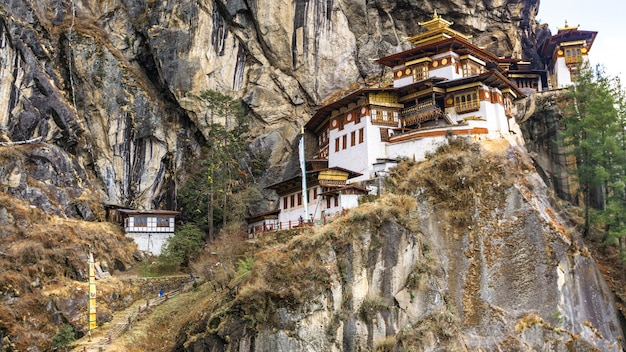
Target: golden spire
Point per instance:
(436, 29)
(568, 28)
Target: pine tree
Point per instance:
(218, 190)
(615, 212)
(590, 135)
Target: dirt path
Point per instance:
(103, 338)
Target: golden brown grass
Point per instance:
(42, 256)
(454, 178)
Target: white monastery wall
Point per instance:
(563, 75)
(414, 149)
(150, 242)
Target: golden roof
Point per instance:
(436, 29)
(568, 28)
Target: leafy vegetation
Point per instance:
(221, 187)
(63, 338)
(595, 137)
(182, 247)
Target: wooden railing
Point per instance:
(467, 106)
(573, 60)
(292, 224)
(420, 113)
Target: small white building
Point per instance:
(150, 229)
(263, 222)
(328, 195)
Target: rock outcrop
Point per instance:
(467, 254)
(115, 87)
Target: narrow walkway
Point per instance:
(103, 336)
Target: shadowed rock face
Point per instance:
(116, 85)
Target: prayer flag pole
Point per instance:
(92, 295)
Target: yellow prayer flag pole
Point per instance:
(92, 294)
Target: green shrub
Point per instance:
(63, 337)
(181, 248)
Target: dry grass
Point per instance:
(455, 178)
(528, 321)
(41, 258)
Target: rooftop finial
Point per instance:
(566, 24)
(435, 14)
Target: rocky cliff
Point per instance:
(102, 102)
(114, 88)
(467, 253)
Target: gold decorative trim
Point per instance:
(575, 42)
(473, 58)
(418, 61)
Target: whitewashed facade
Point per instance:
(327, 192)
(150, 229)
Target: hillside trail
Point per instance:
(102, 338)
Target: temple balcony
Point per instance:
(573, 60)
(467, 106)
(416, 115)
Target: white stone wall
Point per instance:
(151, 237)
(563, 76)
(414, 149)
(401, 82)
(355, 158)
(150, 242)
(291, 215)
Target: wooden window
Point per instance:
(361, 135)
(352, 138)
(315, 193)
(336, 144)
(300, 198)
(293, 200)
(327, 202)
(345, 141)
(420, 72)
(466, 102)
(384, 135)
(572, 56)
(141, 221)
(284, 202)
(163, 222)
(336, 201)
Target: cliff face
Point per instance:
(114, 87)
(467, 254)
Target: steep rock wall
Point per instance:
(117, 84)
(539, 123)
(476, 259)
